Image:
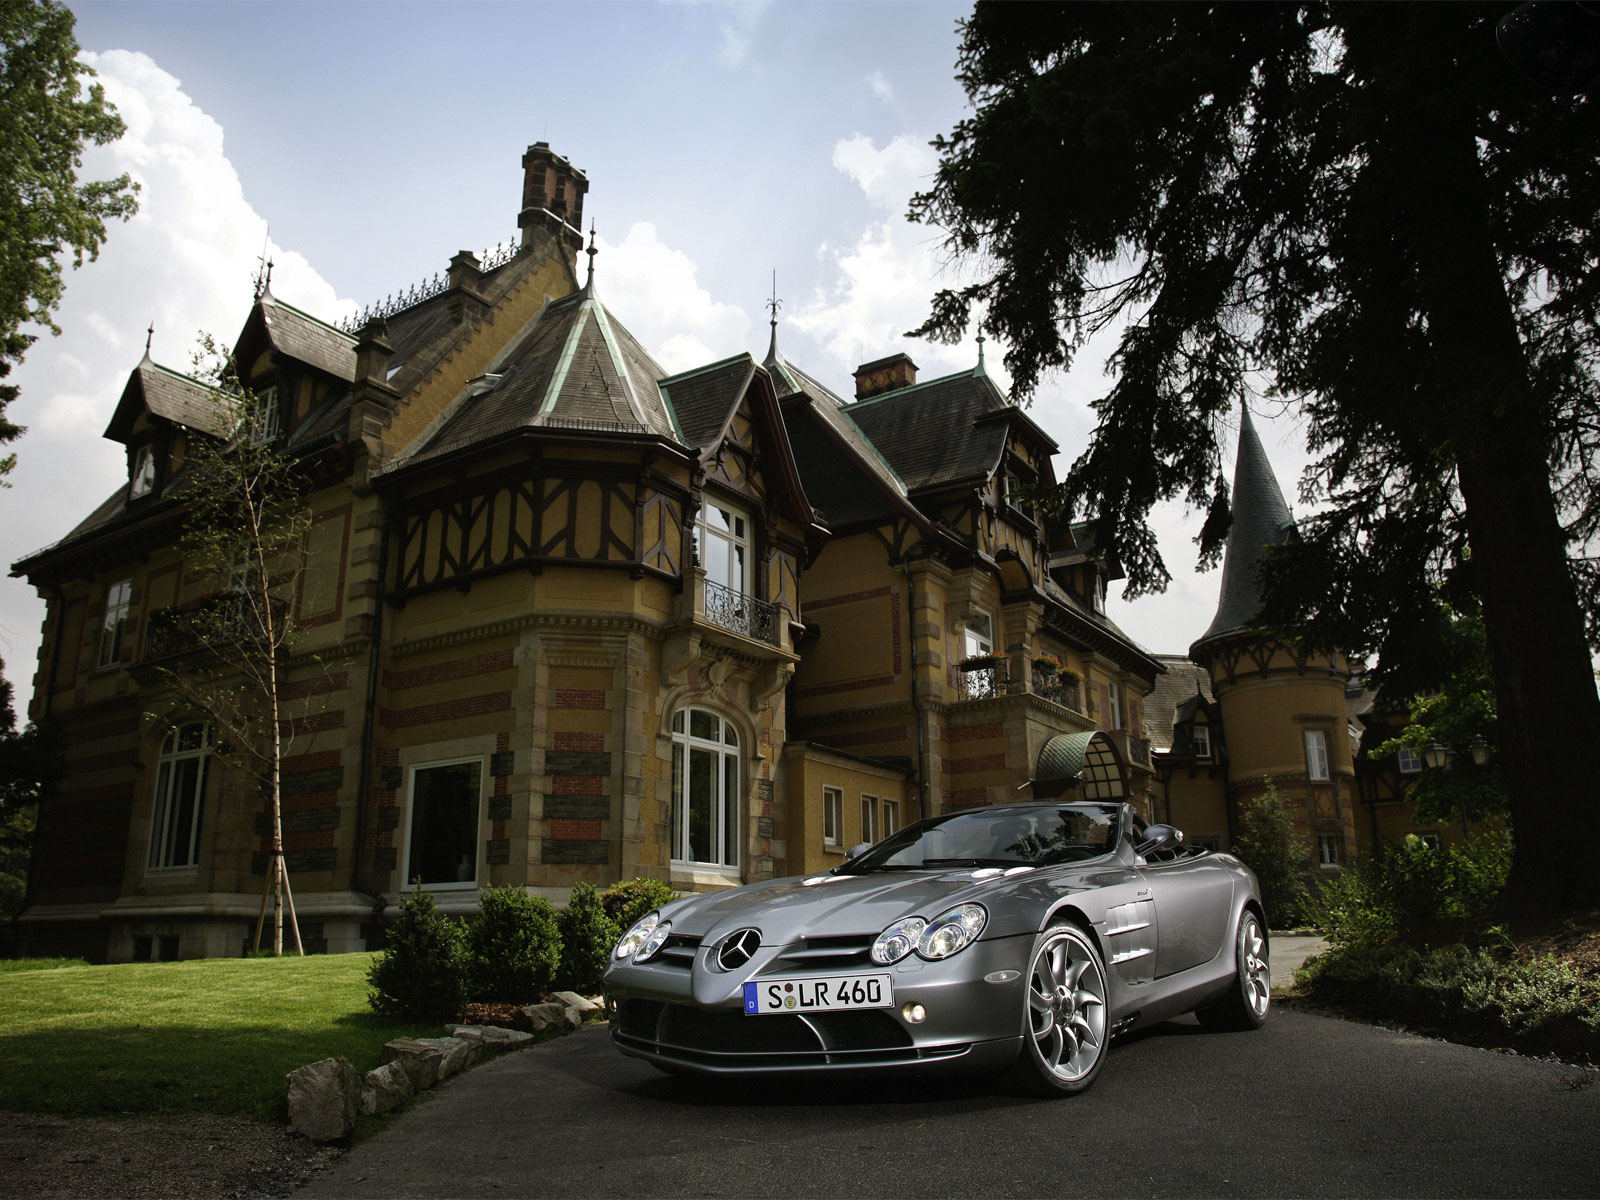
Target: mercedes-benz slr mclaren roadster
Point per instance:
(1019, 938)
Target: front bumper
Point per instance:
(692, 1018)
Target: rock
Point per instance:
(470, 1033)
(324, 1099)
(421, 1063)
(489, 1035)
(543, 1016)
(387, 1087)
(572, 1000)
(457, 1053)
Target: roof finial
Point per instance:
(263, 279)
(981, 340)
(148, 334)
(591, 252)
(772, 306)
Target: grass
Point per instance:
(211, 1035)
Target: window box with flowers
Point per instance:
(978, 662)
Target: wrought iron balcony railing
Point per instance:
(214, 620)
(742, 614)
(1064, 694)
(1139, 750)
(984, 683)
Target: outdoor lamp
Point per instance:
(1480, 750)
(1435, 755)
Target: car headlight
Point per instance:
(638, 935)
(656, 940)
(952, 931)
(897, 941)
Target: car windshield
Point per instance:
(1032, 837)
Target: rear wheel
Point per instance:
(1064, 1026)
(1245, 1006)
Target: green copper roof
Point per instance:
(1090, 758)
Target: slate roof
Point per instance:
(169, 395)
(790, 380)
(301, 336)
(574, 366)
(936, 433)
(704, 398)
(1173, 698)
(1260, 519)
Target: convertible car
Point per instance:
(1018, 938)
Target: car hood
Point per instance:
(786, 910)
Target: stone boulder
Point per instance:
(548, 1015)
(421, 1063)
(387, 1087)
(457, 1053)
(489, 1035)
(572, 1000)
(324, 1099)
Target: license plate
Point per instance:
(767, 997)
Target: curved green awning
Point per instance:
(1088, 759)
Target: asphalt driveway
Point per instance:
(1308, 1106)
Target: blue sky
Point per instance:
(722, 141)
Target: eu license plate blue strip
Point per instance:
(752, 1006)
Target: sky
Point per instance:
(361, 145)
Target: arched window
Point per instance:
(180, 795)
(706, 789)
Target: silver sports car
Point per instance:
(1019, 938)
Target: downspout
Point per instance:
(358, 880)
(916, 705)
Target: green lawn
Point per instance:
(213, 1035)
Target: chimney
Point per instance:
(464, 298)
(552, 197)
(885, 375)
(373, 353)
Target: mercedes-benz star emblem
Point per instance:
(738, 948)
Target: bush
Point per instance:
(587, 938)
(513, 947)
(626, 902)
(1279, 854)
(1409, 886)
(422, 972)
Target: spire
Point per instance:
(148, 334)
(591, 252)
(1260, 519)
(772, 306)
(981, 340)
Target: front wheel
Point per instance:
(1245, 1006)
(1064, 1026)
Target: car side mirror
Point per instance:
(1158, 838)
(857, 850)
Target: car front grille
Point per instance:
(732, 1041)
(678, 952)
(850, 950)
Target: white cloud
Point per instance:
(653, 289)
(881, 87)
(736, 31)
(184, 262)
(888, 176)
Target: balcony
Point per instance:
(741, 614)
(206, 623)
(984, 681)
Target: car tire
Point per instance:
(1066, 1022)
(1246, 1003)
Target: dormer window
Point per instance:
(1200, 738)
(264, 420)
(142, 478)
(1097, 592)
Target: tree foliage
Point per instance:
(30, 764)
(1278, 853)
(1367, 212)
(45, 212)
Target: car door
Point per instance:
(1193, 898)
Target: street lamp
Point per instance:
(1480, 750)
(1435, 756)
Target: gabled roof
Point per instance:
(704, 399)
(1260, 519)
(574, 366)
(173, 397)
(300, 336)
(1174, 698)
(935, 434)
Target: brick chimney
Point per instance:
(885, 375)
(552, 196)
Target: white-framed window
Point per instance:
(1430, 839)
(1200, 738)
(1097, 592)
(264, 422)
(444, 810)
(1328, 849)
(869, 818)
(722, 541)
(979, 634)
(113, 633)
(832, 816)
(1116, 705)
(180, 797)
(143, 475)
(891, 817)
(706, 789)
(1409, 760)
(1317, 756)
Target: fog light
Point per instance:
(914, 1013)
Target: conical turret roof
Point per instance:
(1260, 519)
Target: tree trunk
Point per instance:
(1549, 713)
